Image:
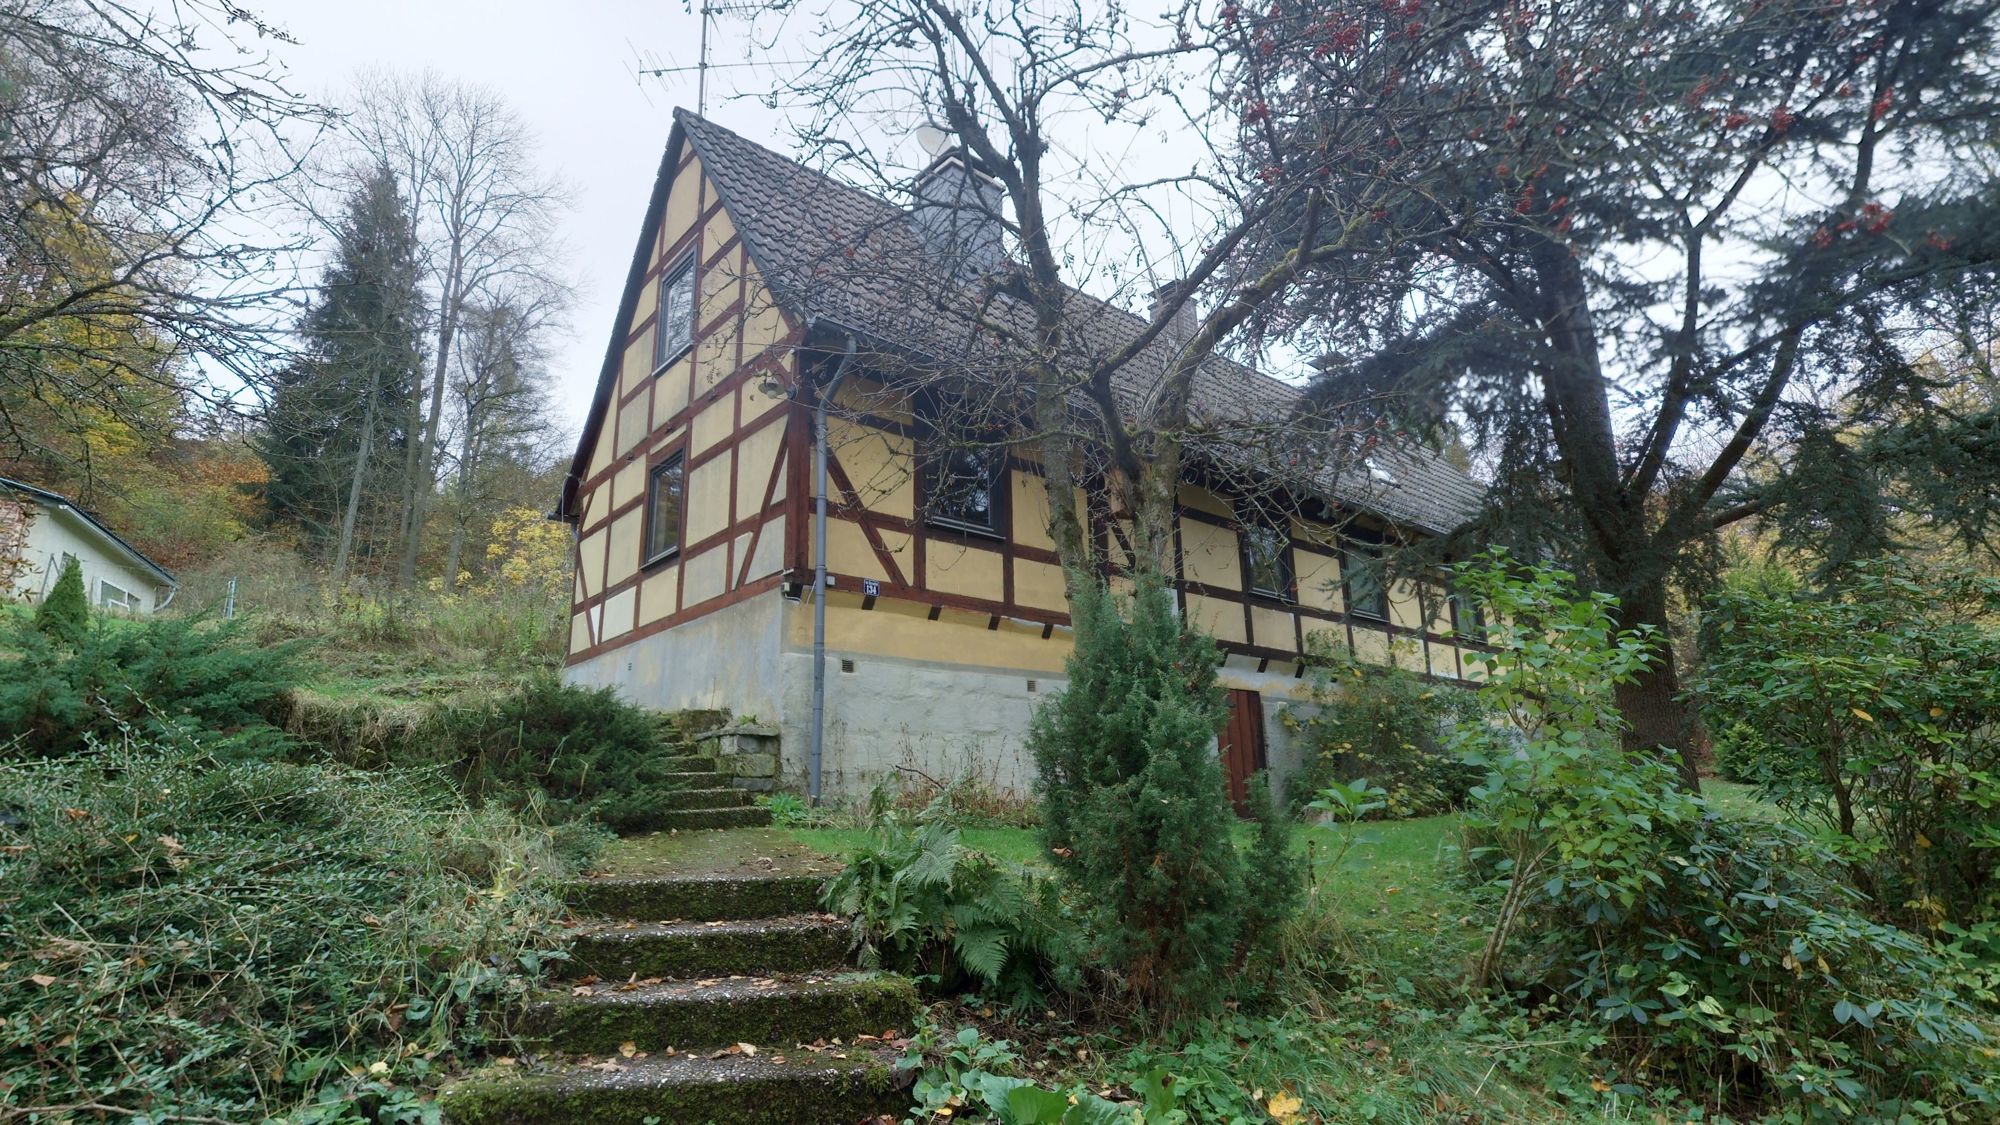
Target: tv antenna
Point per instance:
(701, 68)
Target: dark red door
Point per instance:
(1242, 744)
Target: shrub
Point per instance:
(1873, 711)
(1134, 812)
(574, 751)
(155, 677)
(925, 904)
(193, 938)
(1389, 725)
(65, 610)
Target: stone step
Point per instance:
(801, 943)
(698, 779)
(701, 763)
(719, 1012)
(720, 798)
(745, 816)
(779, 1086)
(696, 898)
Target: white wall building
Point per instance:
(40, 530)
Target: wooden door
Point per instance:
(1242, 745)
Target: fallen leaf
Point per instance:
(628, 1048)
(607, 1066)
(169, 843)
(1600, 1085)
(504, 1060)
(65, 1041)
(580, 990)
(1862, 715)
(43, 979)
(747, 1049)
(378, 1067)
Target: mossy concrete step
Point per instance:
(743, 816)
(776, 1087)
(712, 1013)
(699, 763)
(721, 798)
(802, 943)
(696, 898)
(703, 778)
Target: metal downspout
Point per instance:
(819, 575)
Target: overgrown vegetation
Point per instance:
(1868, 711)
(205, 937)
(1385, 724)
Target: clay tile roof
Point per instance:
(813, 238)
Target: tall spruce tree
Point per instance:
(1661, 264)
(338, 420)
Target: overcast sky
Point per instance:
(569, 68)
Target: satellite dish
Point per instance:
(933, 137)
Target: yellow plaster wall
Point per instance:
(972, 572)
(1202, 500)
(1208, 556)
(706, 575)
(904, 630)
(1271, 628)
(720, 230)
(683, 204)
(638, 363)
(769, 555)
(590, 562)
(756, 455)
(713, 424)
(878, 464)
(715, 357)
(1031, 511)
(629, 483)
(579, 631)
(635, 421)
(1319, 580)
(618, 614)
(756, 403)
(707, 501)
(670, 391)
(624, 552)
(659, 594)
(763, 322)
(1403, 607)
(1039, 585)
(848, 551)
(1331, 633)
(1371, 645)
(1219, 619)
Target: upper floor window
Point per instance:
(1367, 587)
(1267, 556)
(664, 489)
(1468, 620)
(963, 489)
(674, 331)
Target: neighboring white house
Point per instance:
(39, 530)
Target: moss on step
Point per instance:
(688, 1014)
(803, 1089)
(722, 797)
(739, 851)
(684, 820)
(696, 898)
(799, 944)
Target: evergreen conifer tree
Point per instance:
(338, 418)
(1134, 809)
(65, 611)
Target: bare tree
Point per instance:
(1069, 135)
(486, 221)
(132, 162)
(501, 410)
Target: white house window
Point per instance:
(675, 330)
(113, 597)
(1267, 553)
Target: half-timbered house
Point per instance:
(691, 498)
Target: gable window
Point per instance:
(1367, 589)
(674, 332)
(1267, 557)
(963, 490)
(664, 487)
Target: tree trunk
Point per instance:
(354, 489)
(1656, 718)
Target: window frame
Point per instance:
(128, 599)
(1461, 607)
(1378, 609)
(1287, 568)
(676, 459)
(996, 492)
(662, 359)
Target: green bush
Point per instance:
(1389, 725)
(1134, 812)
(65, 610)
(924, 904)
(573, 751)
(192, 938)
(150, 678)
(1872, 710)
